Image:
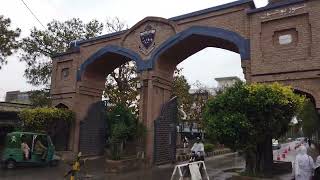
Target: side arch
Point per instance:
(309, 94)
(112, 49)
(241, 44)
(61, 106)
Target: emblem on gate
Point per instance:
(147, 39)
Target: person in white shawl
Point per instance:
(317, 169)
(304, 165)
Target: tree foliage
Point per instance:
(310, 119)
(122, 123)
(121, 84)
(40, 98)
(181, 88)
(199, 100)
(42, 44)
(8, 39)
(53, 121)
(123, 126)
(42, 119)
(247, 117)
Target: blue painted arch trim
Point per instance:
(114, 50)
(242, 44)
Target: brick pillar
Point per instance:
(87, 93)
(246, 69)
(155, 91)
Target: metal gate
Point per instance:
(93, 130)
(165, 133)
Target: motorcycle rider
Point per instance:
(197, 151)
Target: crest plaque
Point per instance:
(147, 39)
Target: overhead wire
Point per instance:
(33, 14)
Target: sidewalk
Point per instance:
(215, 165)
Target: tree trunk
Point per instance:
(250, 163)
(260, 162)
(268, 156)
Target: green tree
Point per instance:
(121, 87)
(181, 88)
(123, 126)
(121, 84)
(42, 44)
(199, 100)
(246, 117)
(40, 98)
(310, 119)
(8, 39)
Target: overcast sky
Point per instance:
(203, 66)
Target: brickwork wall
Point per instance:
(297, 63)
(284, 47)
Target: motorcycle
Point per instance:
(194, 157)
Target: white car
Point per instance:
(275, 144)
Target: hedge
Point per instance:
(208, 147)
(41, 119)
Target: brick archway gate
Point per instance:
(279, 42)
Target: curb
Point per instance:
(186, 157)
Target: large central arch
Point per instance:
(231, 41)
(279, 42)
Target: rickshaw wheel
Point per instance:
(10, 164)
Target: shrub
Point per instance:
(123, 127)
(53, 121)
(208, 147)
(42, 119)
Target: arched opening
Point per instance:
(107, 79)
(61, 106)
(60, 131)
(179, 49)
(186, 43)
(207, 73)
(308, 120)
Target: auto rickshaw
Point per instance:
(28, 149)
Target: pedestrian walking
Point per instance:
(304, 165)
(185, 142)
(309, 142)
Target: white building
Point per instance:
(224, 82)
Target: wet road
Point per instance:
(216, 167)
(95, 167)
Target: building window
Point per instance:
(64, 73)
(285, 39)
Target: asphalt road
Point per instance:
(216, 167)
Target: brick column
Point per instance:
(155, 91)
(246, 69)
(87, 93)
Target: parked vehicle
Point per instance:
(275, 144)
(28, 149)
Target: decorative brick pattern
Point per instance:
(93, 130)
(166, 134)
